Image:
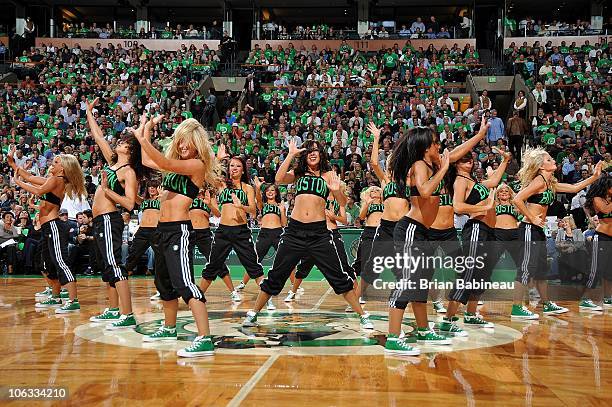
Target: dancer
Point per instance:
(538, 189)
(334, 213)
(506, 222)
(237, 199)
(306, 237)
(416, 163)
(199, 212)
(473, 198)
(188, 165)
(149, 216)
(118, 187)
(65, 179)
(395, 206)
(371, 211)
(273, 220)
(599, 203)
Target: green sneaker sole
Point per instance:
(413, 352)
(435, 342)
(527, 317)
(165, 339)
(66, 311)
(184, 354)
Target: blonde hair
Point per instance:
(570, 219)
(194, 133)
(368, 190)
(75, 185)
(532, 162)
(501, 187)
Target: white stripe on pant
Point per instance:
(108, 241)
(526, 256)
(58, 253)
(408, 241)
(185, 269)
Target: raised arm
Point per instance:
(575, 188)
(520, 201)
(50, 185)
(426, 185)
(459, 205)
(374, 156)
(495, 177)
(334, 183)
(283, 175)
(146, 127)
(469, 145)
(158, 161)
(97, 132)
(32, 179)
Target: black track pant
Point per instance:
(601, 250)
(411, 240)
(508, 240)
(382, 246)
(478, 243)
(143, 239)
(108, 232)
(203, 241)
(266, 239)
(227, 238)
(364, 249)
(173, 247)
(533, 263)
(305, 266)
(307, 241)
(55, 251)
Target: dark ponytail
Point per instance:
(409, 149)
(599, 189)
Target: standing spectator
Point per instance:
(496, 129)
(252, 87)
(516, 130)
(8, 241)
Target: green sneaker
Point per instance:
(164, 333)
(429, 337)
(476, 320)
(109, 314)
(201, 346)
(49, 303)
(364, 321)
(522, 312)
(438, 306)
(64, 294)
(398, 346)
(68, 307)
(586, 304)
(450, 326)
(607, 302)
(126, 321)
(552, 308)
(250, 319)
(46, 293)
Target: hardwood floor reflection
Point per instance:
(561, 360)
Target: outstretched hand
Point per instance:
(293, 149)
(374, 130)
(334, 182)
(91, 105)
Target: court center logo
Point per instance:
(296, 332)
(277, 330)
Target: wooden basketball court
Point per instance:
(309, 353)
